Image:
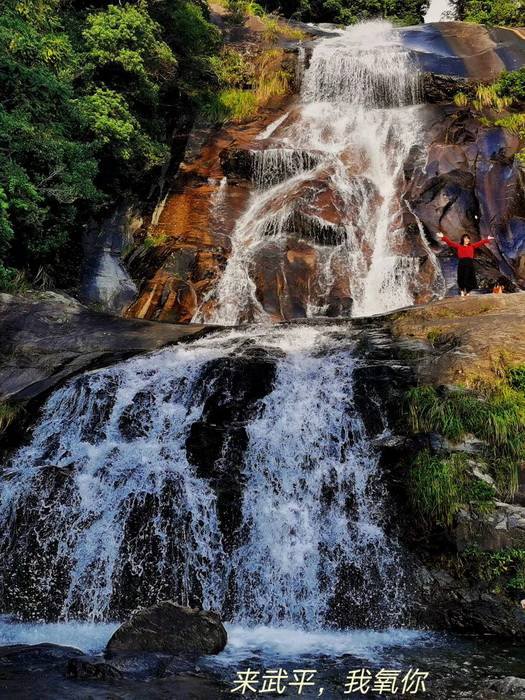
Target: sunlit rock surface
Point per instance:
(285, 217)
(466, 50)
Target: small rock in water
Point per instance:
(90, 667)
(36, 655)
(168, 627)
(509, 686)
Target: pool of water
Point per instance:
(456, 667)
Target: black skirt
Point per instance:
(466, 274)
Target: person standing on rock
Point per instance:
(465, 252)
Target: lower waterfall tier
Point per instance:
(234, 472)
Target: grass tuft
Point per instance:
(8, 414)
(439, 487)
(493, 412)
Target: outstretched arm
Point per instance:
(483, 241)
(446, 240)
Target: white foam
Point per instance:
(291, 643)
(87, 636)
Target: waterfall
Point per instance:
(109, 507)
(345, 143)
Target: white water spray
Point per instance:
(122, 516)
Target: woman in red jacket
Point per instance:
(465, 250)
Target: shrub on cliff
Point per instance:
(86, 100)
(494, 413)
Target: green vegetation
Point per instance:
(349, 11)
(497, 98)
(503, 571)
(512, 84)
(86, 99)
(8, 414)
(438, 487)
(244, 86)
(493, 12)
(494, 413)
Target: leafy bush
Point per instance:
(86, 100)
(503, 571)
(349, 11)
(512, 84)
(492, 412)
(493, 12)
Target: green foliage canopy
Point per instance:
(86, 98)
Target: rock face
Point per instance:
(469, 332)
(488, 615)
(105, 280)
(47, 338)
(466, 50)
(470, 182)
(504, 528)
(171, 628)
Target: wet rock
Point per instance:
(91, 668)
(510, 686)
(168, 627)
(487, 615)
(442, 88)
(280, 163)
(470, 183)
(36, 656)
(48, 337)
(105, 280)
(217, 441)
(464, 49)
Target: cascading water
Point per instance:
(349, 136)
(108, 507)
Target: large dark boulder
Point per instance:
(487, 615)
(48, 338)
(168, 627)
(91, 668)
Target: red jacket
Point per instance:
(466, 251)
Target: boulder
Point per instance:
(48, 337)
(488, 614)
(168, 627)
(465, 49)
(510, 686)
(501, 529)
(36, 656)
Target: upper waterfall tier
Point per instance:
(329, 180)
(328, 202)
